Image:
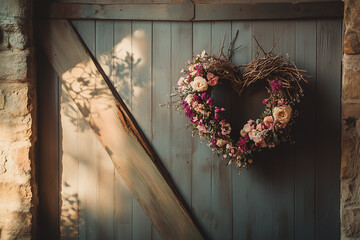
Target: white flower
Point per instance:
(189, 98)
(282, 114)
(257, 138)
(181, 81)
(247, 128)
(199, 84)
(203, 53)
(252, 134)
(221, 142)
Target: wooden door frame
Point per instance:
(238, 12)
(192, 11)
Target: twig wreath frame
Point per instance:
(204, 72)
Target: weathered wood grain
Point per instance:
(328, 92)
(221, 198)
(121, 11)
(88, 153)
(121, 78)
(48, 152)
(220, 11)
(305, 143)
(103, 52)
(241, 105)
(201, 154)
(161, 89)
(262, 172)
(141, 104)
(181, 140)
(117, 131)
(199, 11)
(283, 173)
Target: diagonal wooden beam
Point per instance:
(117, 131)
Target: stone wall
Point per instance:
(17, 120)
(350, 158)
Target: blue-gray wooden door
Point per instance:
(289, 193)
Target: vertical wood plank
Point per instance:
(49, 145)
(103, 53)
(202, 155)
(221, 173)
(88, 154)
(241, 105)
(328, 128)
(181, 140)
(283, 173)
(306, 143)
(121, 77)
(161, 89)
(141, 105)
(69, 158)
(262, 172)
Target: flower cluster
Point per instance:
(268, 131)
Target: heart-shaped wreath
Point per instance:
(203, 73)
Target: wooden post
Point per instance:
(117, 131)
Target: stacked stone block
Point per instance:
(17, 121)
(350, 157)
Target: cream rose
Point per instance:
(221, 142)
(282, 114)
(189, 98)
(199, 84)
(252, 134)
(247, 128)
(257, 138)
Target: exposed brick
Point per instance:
(2, 100)
(350, 136)
(352, 25)
(16, 225)
(14, 8)
(351, 218)
(15, 197)
(14, 65)
(21, 158)
(17, 191)
(18, 41)
(16, 100)
(351, 77)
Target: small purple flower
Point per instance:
(213, 142)
(210, 102)
(216, 116)
(275, 84)
(265, 101)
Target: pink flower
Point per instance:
(265, 101)
(212, 79)
(192, 68)
(268, 121)
(258, 127)
(250, 121)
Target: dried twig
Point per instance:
(271, 67)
